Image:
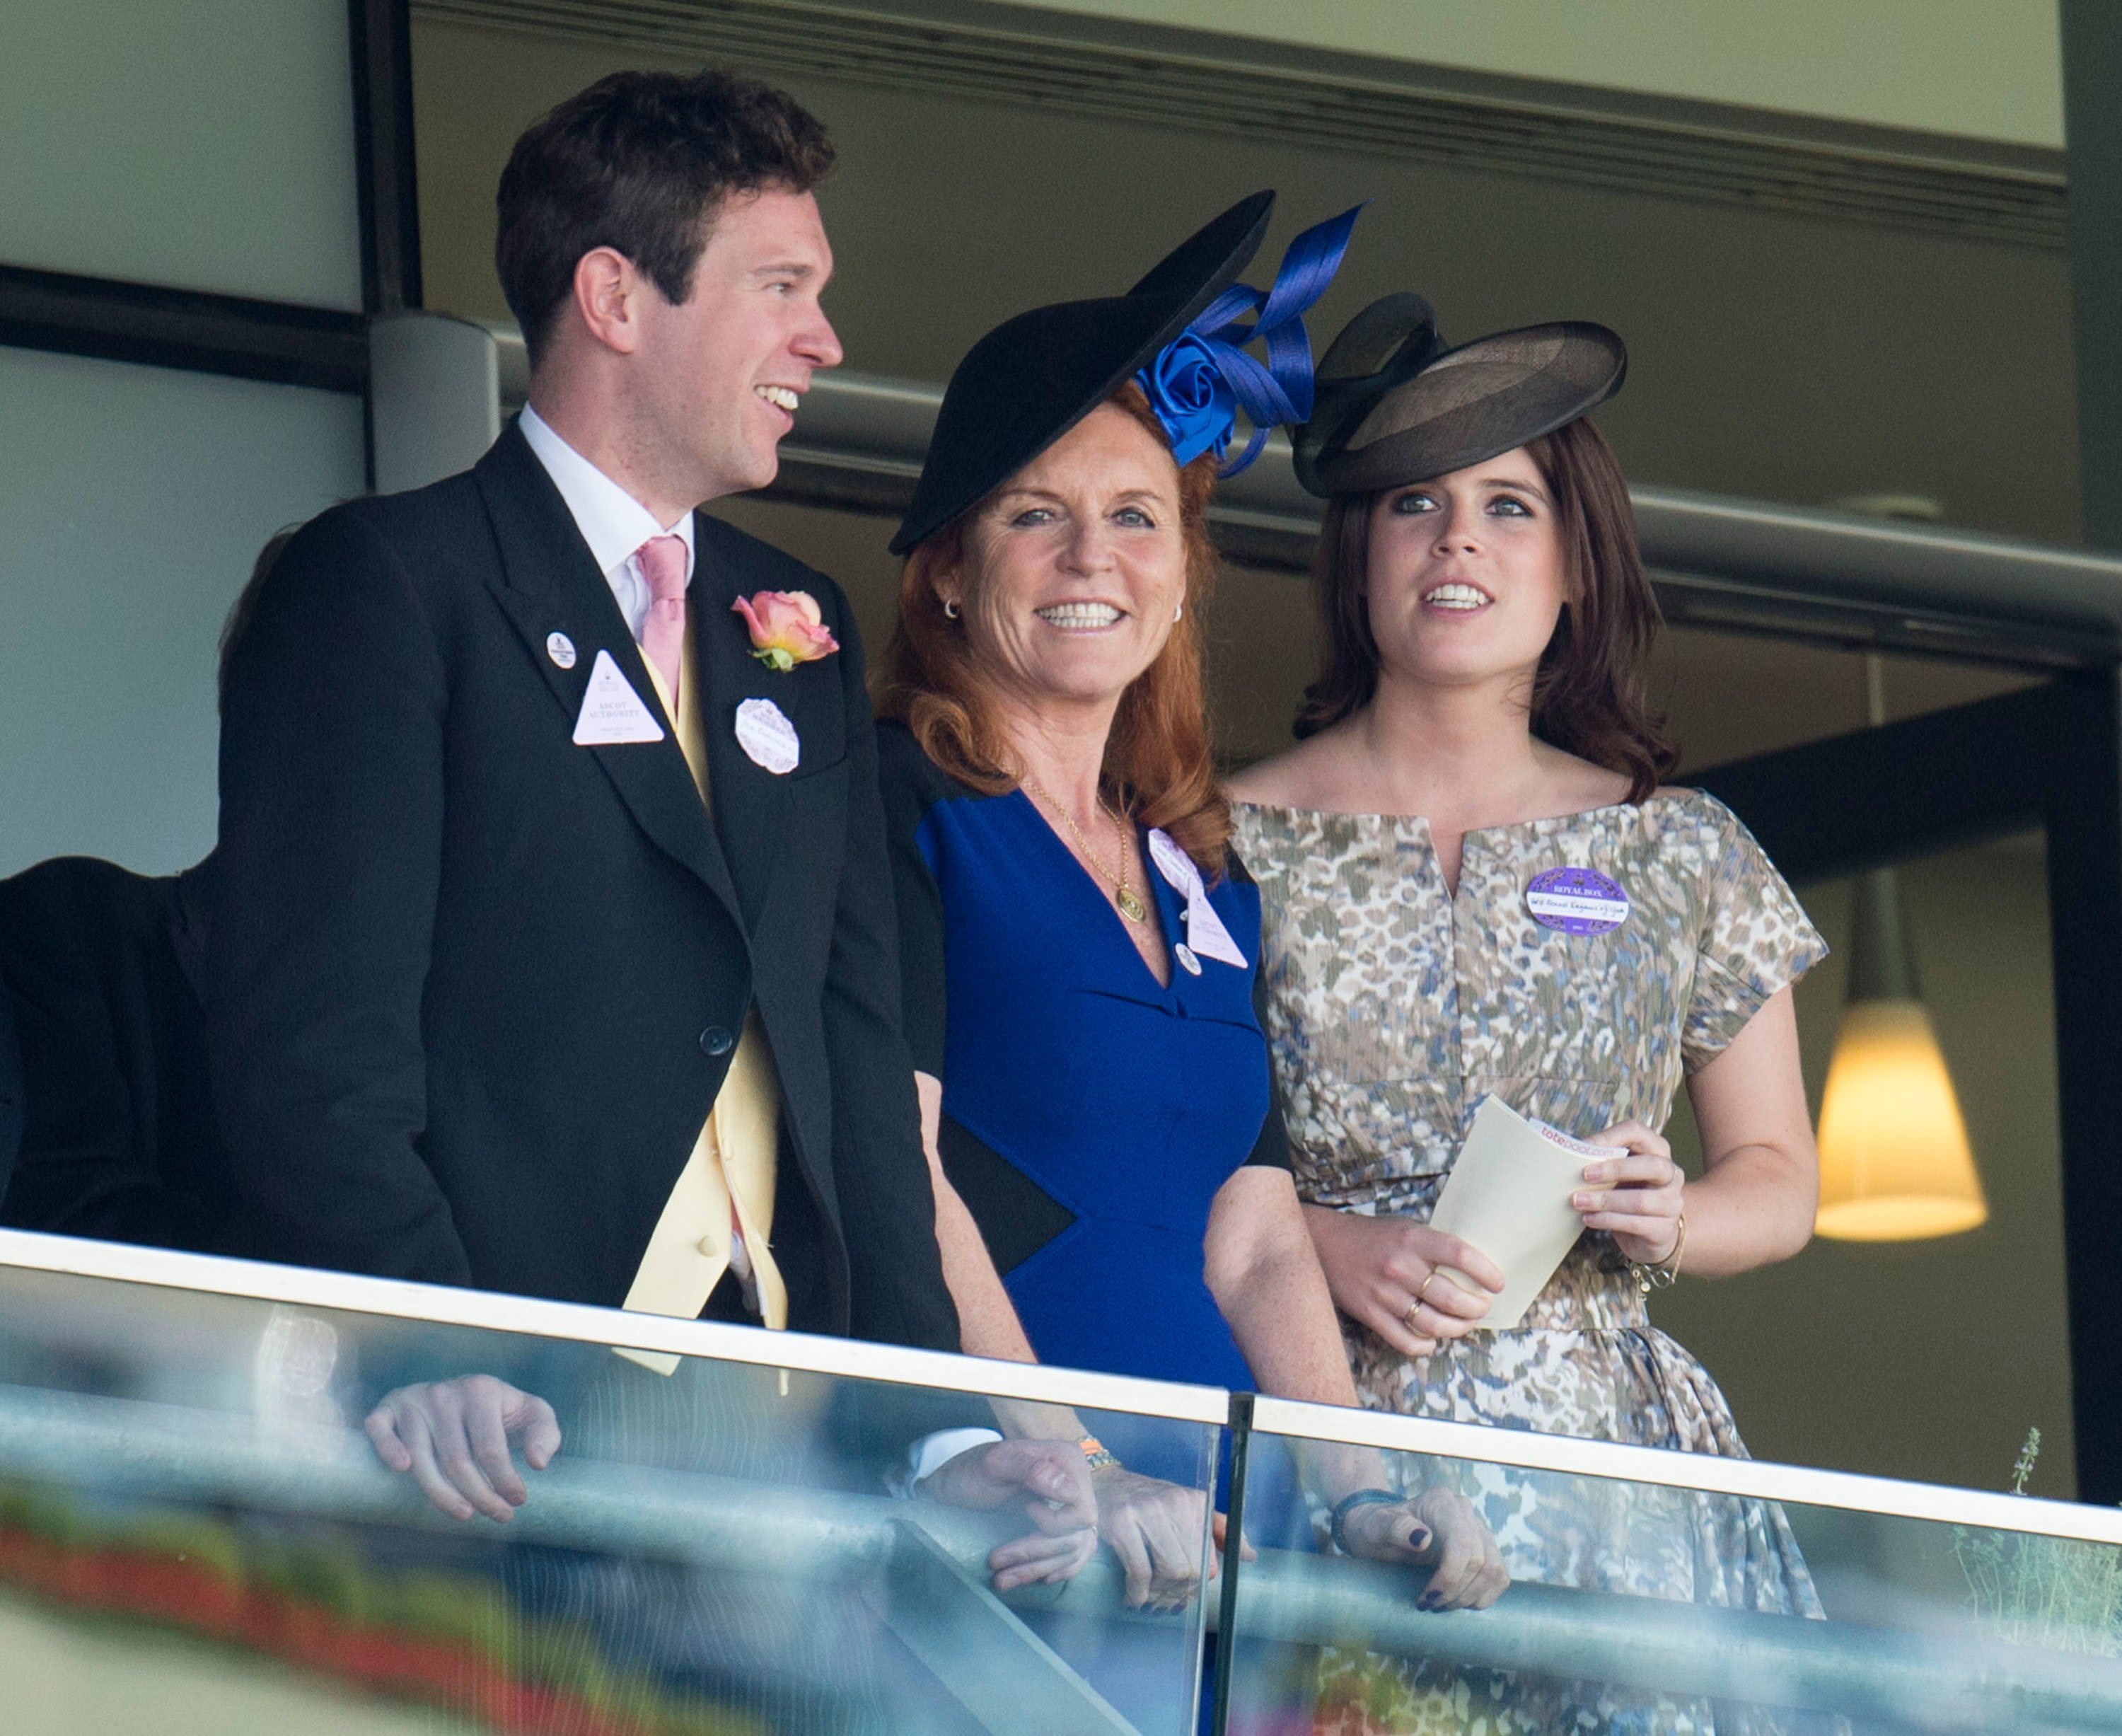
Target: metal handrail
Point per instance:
(1746, 1479)
(1959, 1680)
(1718, 561)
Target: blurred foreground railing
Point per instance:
(1943, 1682)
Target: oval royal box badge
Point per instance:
(1576, 900)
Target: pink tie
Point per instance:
(663, 634)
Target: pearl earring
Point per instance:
(1178, 610)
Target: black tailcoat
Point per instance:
(119, 1142)
(472, 989)
(11, 1091)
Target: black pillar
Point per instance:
(380, 33)
(2092, 124)
(2085, 824)
(2085, 917)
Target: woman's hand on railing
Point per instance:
(1061, 1505)
(1383, 1273)
(453, 1436)
(1439, 1530)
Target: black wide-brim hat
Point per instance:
(1395, 406)
(1034, 378)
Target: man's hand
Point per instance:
(453, 1436)
(1154, 1527)
(1061, 1506)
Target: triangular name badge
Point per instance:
(612, 711)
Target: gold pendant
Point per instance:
(1131, 907)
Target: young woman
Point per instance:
(1480, 739)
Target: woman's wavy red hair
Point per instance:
(1157, 763)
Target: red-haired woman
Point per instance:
(1079, 963)
(1474, 883)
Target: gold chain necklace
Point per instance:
(1131, 906)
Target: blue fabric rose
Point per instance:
(1192, 398)
(1202, 378)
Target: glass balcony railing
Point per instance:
(196, 1535)
(1669, 1591)
(191, 1517)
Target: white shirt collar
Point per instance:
(612, 521)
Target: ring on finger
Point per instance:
(1421, 1291)
(1407, 1319)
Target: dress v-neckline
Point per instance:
(1154, 882)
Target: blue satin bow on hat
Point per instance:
(1202, 379)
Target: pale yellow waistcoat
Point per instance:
(728, 1180)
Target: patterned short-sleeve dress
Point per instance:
(1392, 1008)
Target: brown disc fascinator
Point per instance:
(1395, 405)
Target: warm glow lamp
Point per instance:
(1895, 1164)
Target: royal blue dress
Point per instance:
(1090, 1114)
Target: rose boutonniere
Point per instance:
(786, 628)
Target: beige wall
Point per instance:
(1985, 68)
(1774, 356)
(207, 145)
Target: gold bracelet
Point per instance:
(1659, 1275)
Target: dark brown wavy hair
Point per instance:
(1157, 763)
(1589, 696)
(643, 163)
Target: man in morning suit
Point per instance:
(552, 947)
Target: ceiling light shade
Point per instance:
(1895, 1161)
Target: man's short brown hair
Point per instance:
(640, 162)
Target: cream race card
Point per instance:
(1508, 1195)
